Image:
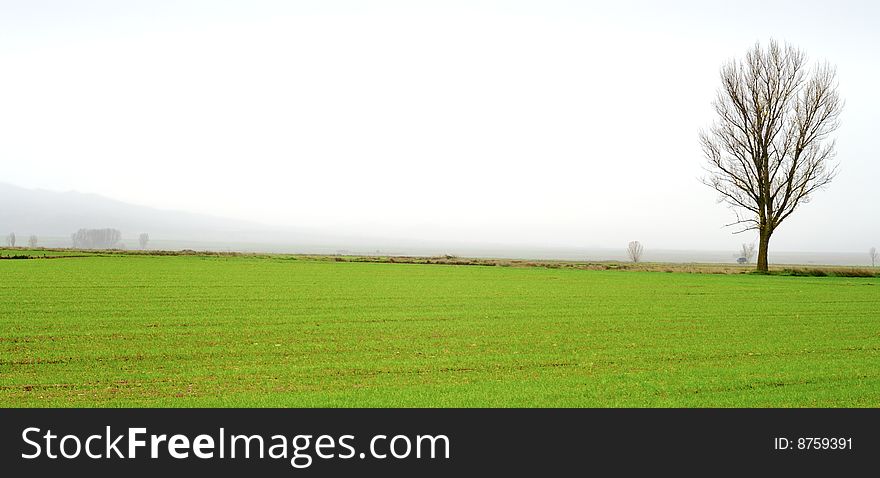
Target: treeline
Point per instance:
(96, 238)
(107, 238)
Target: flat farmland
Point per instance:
(285, 331)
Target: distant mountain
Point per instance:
(58, 214)
(53, 216)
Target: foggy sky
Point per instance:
(555, 123)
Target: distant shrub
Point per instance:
(827, 272)
(853, 273)
(808, 272)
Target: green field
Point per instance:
(141, 330)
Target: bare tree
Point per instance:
(32, 240)
(635, 250)
(875, 256)
(747, 252)
(10, 239)
(143, 239)
(769, 148)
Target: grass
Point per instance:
(119, 329)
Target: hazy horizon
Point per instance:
(52, 216)
(554, 124)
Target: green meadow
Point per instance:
(97, 330)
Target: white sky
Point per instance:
(544, 122)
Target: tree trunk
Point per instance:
(763, 245)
